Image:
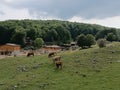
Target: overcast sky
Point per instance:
(103, 12)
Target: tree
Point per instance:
(19, 36)
(6, 31)
(103, 33)
(90, 40)
(111, 37)
(38, 42)
(31, 33)
(52, 31)
(87, 40)
(64, 35)
(81, 40)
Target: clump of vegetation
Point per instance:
(51, 31)
(111, 37)
(85, 40)
(102, 43)
(38, 43)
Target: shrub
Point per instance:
(101, 43)
(85, 40)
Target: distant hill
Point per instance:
(51, 31)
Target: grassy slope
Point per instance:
(88, 69)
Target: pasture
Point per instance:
(88, 69)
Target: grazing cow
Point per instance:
(51, 54)
(56, 58)
(58, 64)
(30, 53)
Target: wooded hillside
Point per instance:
(51, 31)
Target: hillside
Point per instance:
(51, 31)
(88, 69)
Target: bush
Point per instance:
(90, 40)
(81, 40)
(85, 40)
(38, 43)
(101, 43)
(111, 37)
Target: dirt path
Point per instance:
(3, 56)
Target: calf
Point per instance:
(51, 54)
(56, 58)
(58, 64)
(30, 53)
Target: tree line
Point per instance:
(26, 32)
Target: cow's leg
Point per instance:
(57, 65)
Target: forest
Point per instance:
(51, 31)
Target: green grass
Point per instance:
(87, 69)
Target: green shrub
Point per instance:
(101, 43)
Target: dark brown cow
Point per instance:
(51, 54)
(58, 64)
(30, 53)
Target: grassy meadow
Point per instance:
(88, 69)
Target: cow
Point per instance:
(58, 64)
(51, 54)
(30, 53)
(56, 58)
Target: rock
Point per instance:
(22, 68)
(36, 66)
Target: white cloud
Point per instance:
(7, 13)
(12, 13)
(8, 1)
(43, 15)
(109, 22)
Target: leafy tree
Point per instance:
(53, 31)
(38, 42)
(6, 31)
(118, 34)
(81, 40)
(85, 40)
(19, 36)
(90, 40)
(31, 33)
(103, 33)
(64, 35)
(111, 37)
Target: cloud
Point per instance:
(8, 1)
(103, 12)
(109, 21)
(12, 13)
(68, 8)
(2, 13)
(43, 15)
(23, 13)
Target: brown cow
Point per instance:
(30, 53)
(56, 58)
(51, 54)
(58, 64)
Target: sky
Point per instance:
(102, 12)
